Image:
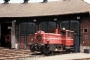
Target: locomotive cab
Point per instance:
(68, 41)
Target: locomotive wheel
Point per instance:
(32, 48)
(71, 51)
(52, 53)
(46, 51)
(68, 51)
(42, 49)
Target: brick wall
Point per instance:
(85, 32)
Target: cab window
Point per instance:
(63, 32)
(69, 34)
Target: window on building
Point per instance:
(51, 25)
(46, 26)
(43, 26)
(27, 28)
(74, 26)
(30, 28)
(22, 28)
(65, 24)
(85, 30)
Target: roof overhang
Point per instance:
(43, 9)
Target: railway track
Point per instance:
(33, 57)
(21, 54)
(82, 59)
(13, 54)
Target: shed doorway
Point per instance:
(6, 35)
(73, 25)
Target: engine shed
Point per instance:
(18, 22)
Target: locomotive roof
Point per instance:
(43, 9)
(70, 30)
(66, 30)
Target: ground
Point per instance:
(21, 54)
(13, 54)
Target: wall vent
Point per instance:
(25, 1)
(6, 1)
(44, 1)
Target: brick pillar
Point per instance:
(58, 24)
(37, 26)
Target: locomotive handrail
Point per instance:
(50, 31)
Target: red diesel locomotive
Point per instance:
(54, 40)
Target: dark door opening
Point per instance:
(74, 26)
(6, 35)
